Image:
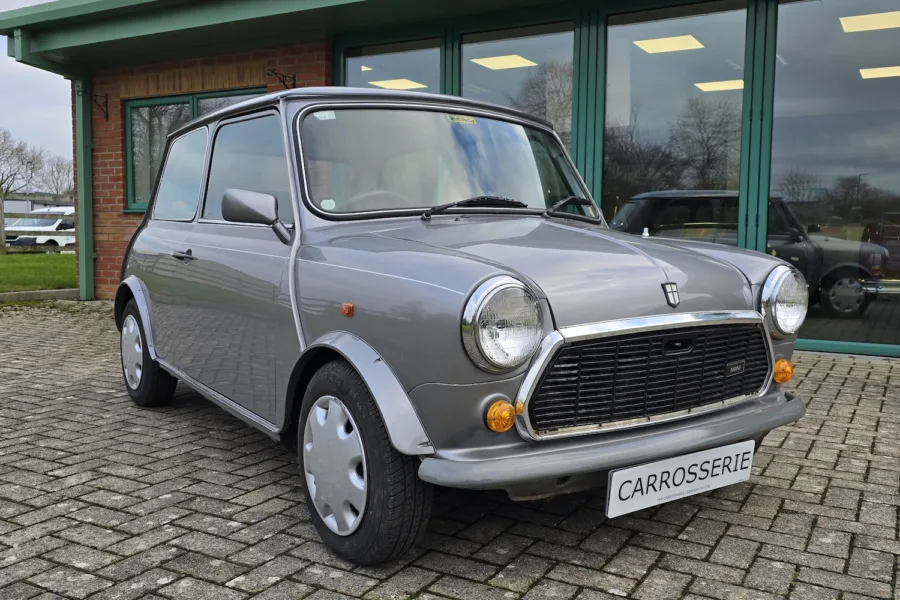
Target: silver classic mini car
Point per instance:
(418, 290)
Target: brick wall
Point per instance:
(312, 63)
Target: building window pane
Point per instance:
(150, 125)
(529, 69)
(407, 66)
(835, 178)
(209, 104)
(249, 155)
(672, 137)
(179, 185)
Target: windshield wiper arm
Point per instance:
(496, 201)
(577, 200)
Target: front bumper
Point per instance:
(518, 465)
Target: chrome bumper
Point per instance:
(881, 287)
(523, 463)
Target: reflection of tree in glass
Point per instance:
(547, 93)
(798, 185)
(150, 125)
(707, 139)
(701, 151)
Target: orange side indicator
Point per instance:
(500, 416)
(783, 371)
(347, 309)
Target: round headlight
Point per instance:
(502, 325)
(785, 298)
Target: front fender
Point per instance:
(400, 418)
(132, 287)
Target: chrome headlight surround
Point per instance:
(474, 332)
(771, 300)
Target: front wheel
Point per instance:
(147, 383)
(843, 297)
(366, 499)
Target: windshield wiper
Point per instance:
(577, 200)
(496, 201)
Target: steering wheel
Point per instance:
(375, 200)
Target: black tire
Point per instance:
(398, 503)
(830, 311)
(156, 385)
(50, 243)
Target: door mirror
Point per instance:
(244, 206)
(813, 228)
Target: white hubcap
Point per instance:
(132, 352)
(335, 465)
(846, 295)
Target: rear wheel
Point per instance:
(366, 499)
(147, 383)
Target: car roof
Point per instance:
(55, 210)
(350, 93)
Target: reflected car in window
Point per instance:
(844, 275)
(415, 290)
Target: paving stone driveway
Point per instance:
(101, 499)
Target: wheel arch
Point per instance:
(133, 288)
(400, 418)
(849, 268)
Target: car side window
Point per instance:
(249, 155)
(181, 178)
(777, 223)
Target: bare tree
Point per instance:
(57, 177)
(707, 138)
(20, 162)
(799, 185)
(547, 93)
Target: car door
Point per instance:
(788, 241)
(241, 313)
(156, 256)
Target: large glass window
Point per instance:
(529, 69)
(406, 66)
(147, 125)
(835, 176)
(150, 126)
(249, 155)
(674, 90)
(179, 185)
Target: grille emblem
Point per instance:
(671, 291)
(734, 368)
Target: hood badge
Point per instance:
(671, 291)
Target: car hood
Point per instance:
(833, 244)
(587, 272)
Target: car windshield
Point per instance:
(35, 222)
(363, 160)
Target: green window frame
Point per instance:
(191, 101)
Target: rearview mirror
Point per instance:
(244, 206)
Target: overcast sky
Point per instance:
(34, 105)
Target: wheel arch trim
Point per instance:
(132, 287)
(401, 420)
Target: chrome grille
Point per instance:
(649, 374)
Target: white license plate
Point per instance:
(634, 488)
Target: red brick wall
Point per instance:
(312, 63)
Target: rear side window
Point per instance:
(249, 155)
(179, 183)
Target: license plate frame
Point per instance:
(644, 479)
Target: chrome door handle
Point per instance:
(186, 255)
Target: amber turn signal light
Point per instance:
(783, 371)
(500, 416)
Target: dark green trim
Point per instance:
(589, 98)
(18, 46)
(189, 99)
(766, 85)
(849, 347)
(85, 208)
(59, 11)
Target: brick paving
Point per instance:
(100, 499)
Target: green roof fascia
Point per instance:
(19, 45)
(61, 11)
(174, 19)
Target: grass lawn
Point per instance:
(20, 272)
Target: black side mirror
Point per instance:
(813, 228)
(244, 206)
